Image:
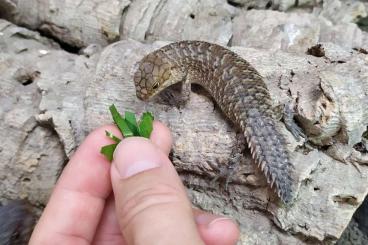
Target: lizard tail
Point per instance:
(268, 148)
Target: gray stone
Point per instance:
(293, 32)
(41, 111)
(216, 21)
(338, 11)
(286, 31)
(281, 5)
(206, 20)
(77, 23)
(31, 156)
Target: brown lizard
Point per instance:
(237, 88)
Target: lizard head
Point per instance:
(152, 76)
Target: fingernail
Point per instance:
(209, 219)
(135, 155)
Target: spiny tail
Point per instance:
(268, 148)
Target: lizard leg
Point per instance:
(185, 92)
(279, 111)
(285, 112)
(288, 118)
(228, 172)
(177, 95)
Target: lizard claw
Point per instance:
(228, 171)
(290, 123)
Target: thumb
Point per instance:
(151, 202)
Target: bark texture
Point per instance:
(52, 96)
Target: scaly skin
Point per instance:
(237, 88)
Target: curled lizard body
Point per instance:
(237, 88)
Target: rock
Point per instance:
(76, 23)
(79, 24)
(286, 31)
(31, 157)
(346, 35)
(42, 105)
(338, 11)
(50, 115)
(332, 113)
(251, 4)
(353, 235)
(293, 32)
(73, 25)
(175, 20)
(357, 231)
(281, 5)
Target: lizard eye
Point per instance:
(155, 85)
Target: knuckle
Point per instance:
(144, 200)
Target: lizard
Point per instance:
(237, 88)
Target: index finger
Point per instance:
(76, 204)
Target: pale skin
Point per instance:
(136, 199)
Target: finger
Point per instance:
(108, 231)
(77, 202)
(151, 202)
(216, 230)
(161, 136)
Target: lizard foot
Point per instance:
(286, 113)
(227, 172)
(176, 95)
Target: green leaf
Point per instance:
(113, 137)
(120, 122)
(108, 151)
(145, 125)
(148, 114)
(132, 122)
(128, 127)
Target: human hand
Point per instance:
(137, 199)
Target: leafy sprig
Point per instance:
(128, 127)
